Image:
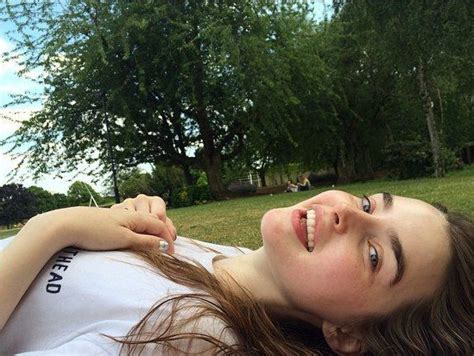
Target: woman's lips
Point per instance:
(298, 220)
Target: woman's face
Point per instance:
(371, 255)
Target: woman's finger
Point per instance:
(142, 203)
(147, 225)
(158, 208)
(117, 206)
(150, 242)
(171, 228)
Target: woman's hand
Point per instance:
(86, 228)
(106, 229)
(153, 205)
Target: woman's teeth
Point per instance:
(310, 220)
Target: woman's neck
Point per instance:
(252, 272)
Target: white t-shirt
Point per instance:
(79, 294)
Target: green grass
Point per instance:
(237, 221)
(7, 233)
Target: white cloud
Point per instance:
(48, 182)
(10, 81)
(17, 86)
(11, 66)
(10, 119)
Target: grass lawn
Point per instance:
(7, 233)
(237, 221)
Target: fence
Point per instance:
(250, 178)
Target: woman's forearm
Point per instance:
(23, 259)
(85, 228)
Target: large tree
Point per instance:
(160, 81)
(45, 201)
(16, 204)
(425, 43)
(81, 193)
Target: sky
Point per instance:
(11, 83)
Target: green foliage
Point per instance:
(202, 180)
(190, 195)
(44, 200)
(408, 159)
(136, 183)
(79, 193)
(199, 194)
(150, 80)
(167, 181)
(61, 201)
(451, 161)
(230, 87)
(16, 204)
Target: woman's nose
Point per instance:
(345, 215)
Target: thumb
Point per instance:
(153, 242)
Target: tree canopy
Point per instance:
(16, 204)
(212, 85)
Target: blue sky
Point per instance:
(11, 83)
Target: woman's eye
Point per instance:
(366, 204)
(373, 256)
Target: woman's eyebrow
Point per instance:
(399, 256)
(394, 243)
(387, 201)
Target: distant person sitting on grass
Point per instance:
(290, 187)
(306, 185)
(380, 274)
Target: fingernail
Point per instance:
(163, 246)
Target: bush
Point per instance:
(319, 179)
(408, 159)
(451, 160)
(242, 188)
(199, 194)
(189, 195)
(179, 198)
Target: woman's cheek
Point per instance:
(271, 225)
(339, 271)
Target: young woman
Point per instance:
(382, 274)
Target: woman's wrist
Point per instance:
(51, 227)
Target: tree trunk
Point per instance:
(387, 128)
(345, 163)
(187, 174)
(213, 167)
(110, 150)
(441, 112)
(212, 160)
(368, 170)
(430, 120)
(261, 174)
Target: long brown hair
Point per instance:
(256, 332)
(442, 325)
